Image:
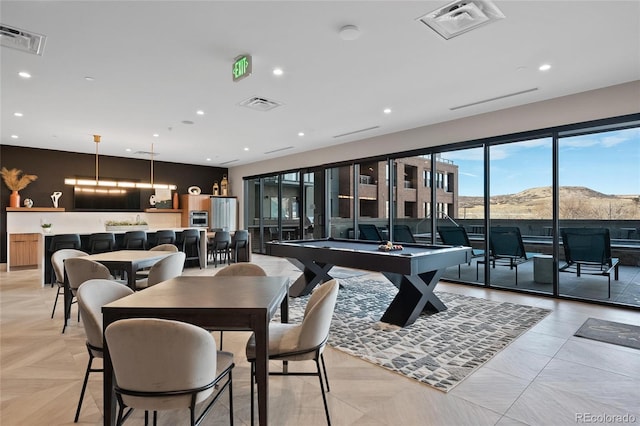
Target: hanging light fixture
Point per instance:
(114, 183)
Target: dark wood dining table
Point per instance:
(221, 303)
(129, 261)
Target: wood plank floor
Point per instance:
(545, 377)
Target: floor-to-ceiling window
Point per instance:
(599, 177)
(532, 185)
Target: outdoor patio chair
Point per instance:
(457, 236)
(403, 234)
(506, 248)
(369, 232)
(588, 250)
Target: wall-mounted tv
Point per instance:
(106, 199)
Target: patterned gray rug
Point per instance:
(439, 350)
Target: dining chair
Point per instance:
(63, 241)
(135, 240)
(57, 262)
(301, 342)
(141, 349)
(102, 242)
(164, 269)
(219, 247)
(236, 270)
(92, 296)
(144, 273)
(240, 240)
(190, 244)
(79, 270)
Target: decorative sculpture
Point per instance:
(55, 197)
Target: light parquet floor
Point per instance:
(545, 377)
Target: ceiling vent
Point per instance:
(461, 16)
(260, 104)
(146, 153)
(22, 40)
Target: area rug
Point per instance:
(439, 349)
(610, 332)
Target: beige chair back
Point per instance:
(165, 247)
(155, 355)
(92, 296)
(167, 268)
(317, 316)
(80, 270)
(242, 269)
(58, 258)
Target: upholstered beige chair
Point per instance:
(240, 269)
(78, 271)
(165, 269)
(167, 365)
(144, 273)
(57, 261)
(301, 342)
(92, 296)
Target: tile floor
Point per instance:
(545, 377)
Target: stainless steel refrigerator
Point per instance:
(223, 215)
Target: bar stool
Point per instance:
(190, 244)
(240, 240)
(165, 236)
(220, 246)
(135, 240)
(102, 242)
(59, 242)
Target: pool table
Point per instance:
(414, 270)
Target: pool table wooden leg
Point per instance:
(313, 273)
(415, 295)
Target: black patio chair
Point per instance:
(506, 248)
(369, 232)
(457, 236)
(403, 234)
(588, 250)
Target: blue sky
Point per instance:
(607, 162)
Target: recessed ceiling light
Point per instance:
(300, 133)
(14, 136)
(544, 67)
(155, 135)
(24, 74)
(246, 149)
(387, 111)
(200, 112)
(277, 71)
(17, 114)
(128, 149)
(87, 78)
(208, 159)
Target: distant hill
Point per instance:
(576, 202)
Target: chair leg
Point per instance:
(324, 396)
(230, 398)
(253, 378)
(55, 302)
(324, 367)
(84, 386)
(221, 335)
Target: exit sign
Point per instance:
(241, 67)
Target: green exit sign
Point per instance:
(241, 67)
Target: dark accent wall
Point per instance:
(52, 167)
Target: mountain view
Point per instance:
(576, 202)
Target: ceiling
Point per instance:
(153, 64)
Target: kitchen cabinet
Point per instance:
(23, 250)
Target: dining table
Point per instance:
(128, 261)
(237, 303)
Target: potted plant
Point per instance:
(16, 181)
(46, 227)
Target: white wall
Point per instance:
(608, 102)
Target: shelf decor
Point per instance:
(16, 181)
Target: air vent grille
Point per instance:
(356, 131)
(260, 104)
(146, 153)
(461, 16)
(25, 41)
(279, 149)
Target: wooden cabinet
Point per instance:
(23, 250)
(190, 203)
